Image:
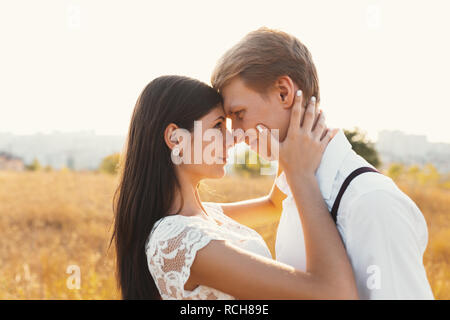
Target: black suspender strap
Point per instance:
(344, 186)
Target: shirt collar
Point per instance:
(332, 159)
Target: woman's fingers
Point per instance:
(320, 127)
(318, 111)
(308, 121)
(334, 132)
(329, 135)
(297, 111)
(327, 138)
(324, 134)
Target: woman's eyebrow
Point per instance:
(220, 117)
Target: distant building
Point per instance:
(74, 150)
(10, 162)
(396, 146)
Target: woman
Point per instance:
(164, 234)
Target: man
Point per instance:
(384, 232)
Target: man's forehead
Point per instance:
(232, 100)
(233, 95)
(228, 105)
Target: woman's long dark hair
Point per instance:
(147, 175)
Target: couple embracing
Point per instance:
(346, 231)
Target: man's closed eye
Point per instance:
(239, 115)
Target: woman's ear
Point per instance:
(170, 136)
(286, 90)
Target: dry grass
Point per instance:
(434, 203)
(49, 221)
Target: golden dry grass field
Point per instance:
(52, 220)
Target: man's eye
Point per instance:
(240, 114)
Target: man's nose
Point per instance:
(229, 140)
(231, 128)
(233, 124)
(238, 125)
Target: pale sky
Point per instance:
(80, 65)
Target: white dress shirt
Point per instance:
(384, 232)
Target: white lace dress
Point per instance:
(175, 240)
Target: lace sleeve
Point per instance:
(171, 251)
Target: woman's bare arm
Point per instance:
(245, 275)
(328, 273)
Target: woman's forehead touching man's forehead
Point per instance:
(215, 114)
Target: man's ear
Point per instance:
(286, 89)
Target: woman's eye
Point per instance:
(240, 114)
(218, 125)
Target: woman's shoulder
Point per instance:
(180, 229)
(171, 250)
(213, 207)
(170, 227)
(244, 231)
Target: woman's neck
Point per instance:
(187, 200)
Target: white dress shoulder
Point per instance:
(174, 241)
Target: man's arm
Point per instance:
(385, 238)
(269, 205)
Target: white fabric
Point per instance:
(384, 232)
(175, 240)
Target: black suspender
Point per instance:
(344, 186)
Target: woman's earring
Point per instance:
(175, 155)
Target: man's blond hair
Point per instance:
(264, 55)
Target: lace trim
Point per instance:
(173, 244)
(171, 250)
(232, 224)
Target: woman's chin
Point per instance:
(217, 173)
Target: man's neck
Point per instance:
(332, 160)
